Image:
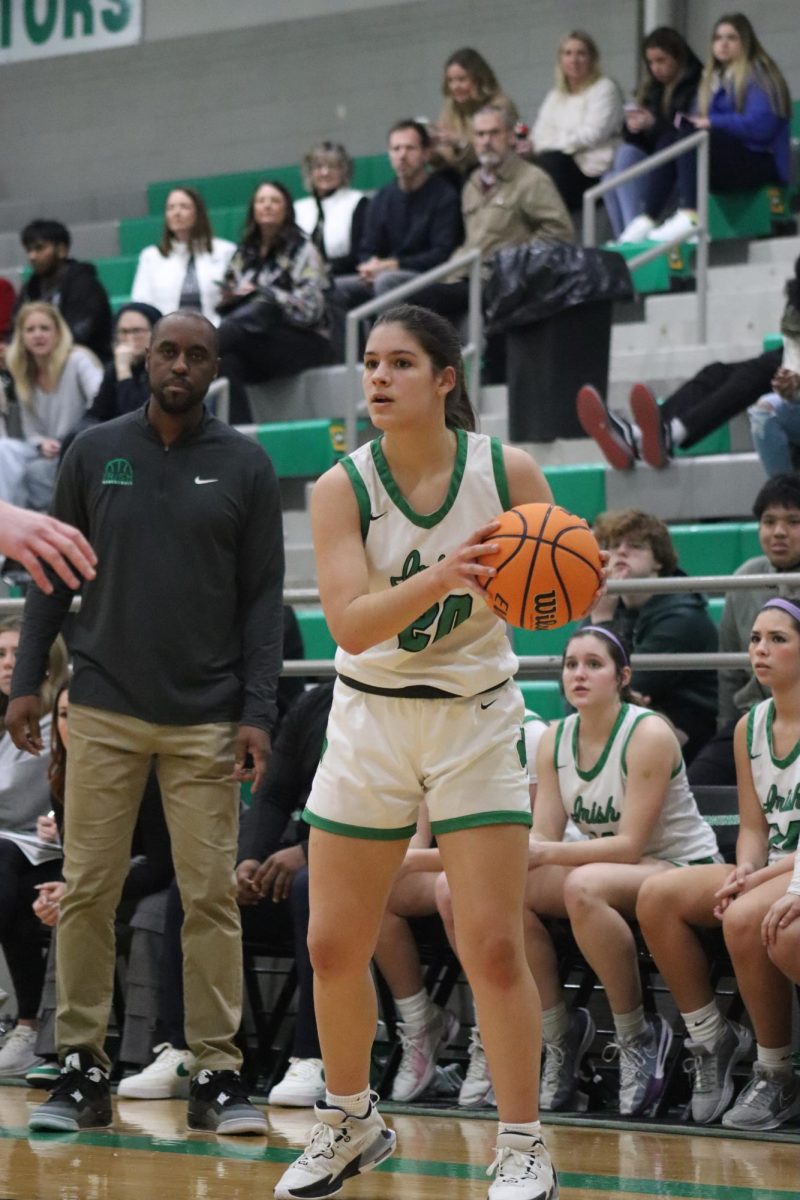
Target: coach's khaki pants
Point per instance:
(108, 761)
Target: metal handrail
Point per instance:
(696, 141)
(471, 352)
(550, 664)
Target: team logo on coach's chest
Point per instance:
(118, 471)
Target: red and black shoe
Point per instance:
(656, 444)
(612, 433)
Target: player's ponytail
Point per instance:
(439, 339)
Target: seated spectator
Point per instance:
(29, 854)
(333, 214)
(668, 88)
(578, 125)
(506, 201)
(673, 907)
(709, 399)
(73, 287)
(272, 890)
(55, 382)
(616, 770)
(412, 224)
(469, 84)
(744, 102)
(777, 510)
(185, 269)
(640, 547)
(774, 417)
(274, 320)
(125, 385)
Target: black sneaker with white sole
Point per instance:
(219, 1103)
(80, 1099)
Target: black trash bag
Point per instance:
(539, 279)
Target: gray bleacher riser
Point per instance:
(74, 210)
(99, 239)
(689, 489)
(300, 569)
(494, 425)
(319, 392)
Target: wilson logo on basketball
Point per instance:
(547, 565)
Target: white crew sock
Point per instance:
(356, 1106)
(416, 1010)
(630, 1025)
(678, 431)
(706, 1024)
(532, 1129)
(776, 1062)
(555, 1022)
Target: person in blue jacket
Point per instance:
(744, 102)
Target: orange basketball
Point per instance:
(548, 567)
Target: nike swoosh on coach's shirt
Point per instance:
(377, 516)
(489, 704)
(197, 479)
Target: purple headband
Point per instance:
(601, 629)
(788, 606)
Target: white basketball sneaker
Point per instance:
(167, 1075)
(341, 1146)
(522, 1169)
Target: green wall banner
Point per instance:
(46, 28)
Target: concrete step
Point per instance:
(690, 489)
(73, 210)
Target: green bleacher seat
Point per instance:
(303, 449)
(747, 214)
(580, 488)
(772, 341)
(543, 696)
(547, 641)
(116, 274)
(653, 276)
(317, 641)
(715, 548)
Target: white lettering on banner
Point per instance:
(46, 28)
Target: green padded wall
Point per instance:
(580, 488)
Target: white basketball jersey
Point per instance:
(457, 645)
(595, 798)
(776, 780)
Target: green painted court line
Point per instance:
(607, 1185)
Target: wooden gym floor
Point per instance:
(149, 1156)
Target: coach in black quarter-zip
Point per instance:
(177, 650)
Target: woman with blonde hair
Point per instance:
(578, 125)
(744, 103)
(468, 84)
(332, 215)
(55, 382)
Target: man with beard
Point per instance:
(506, 201)
(176, 650)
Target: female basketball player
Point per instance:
(616, 769)
(424, 704)
(672, 907)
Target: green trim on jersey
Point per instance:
(780, 763)
(362, 495)
(357, 831)
(594, 771)
(399, 500)
(751, 726)
(474, 820)
(623, 762)
(500, 477)
(557, 742)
